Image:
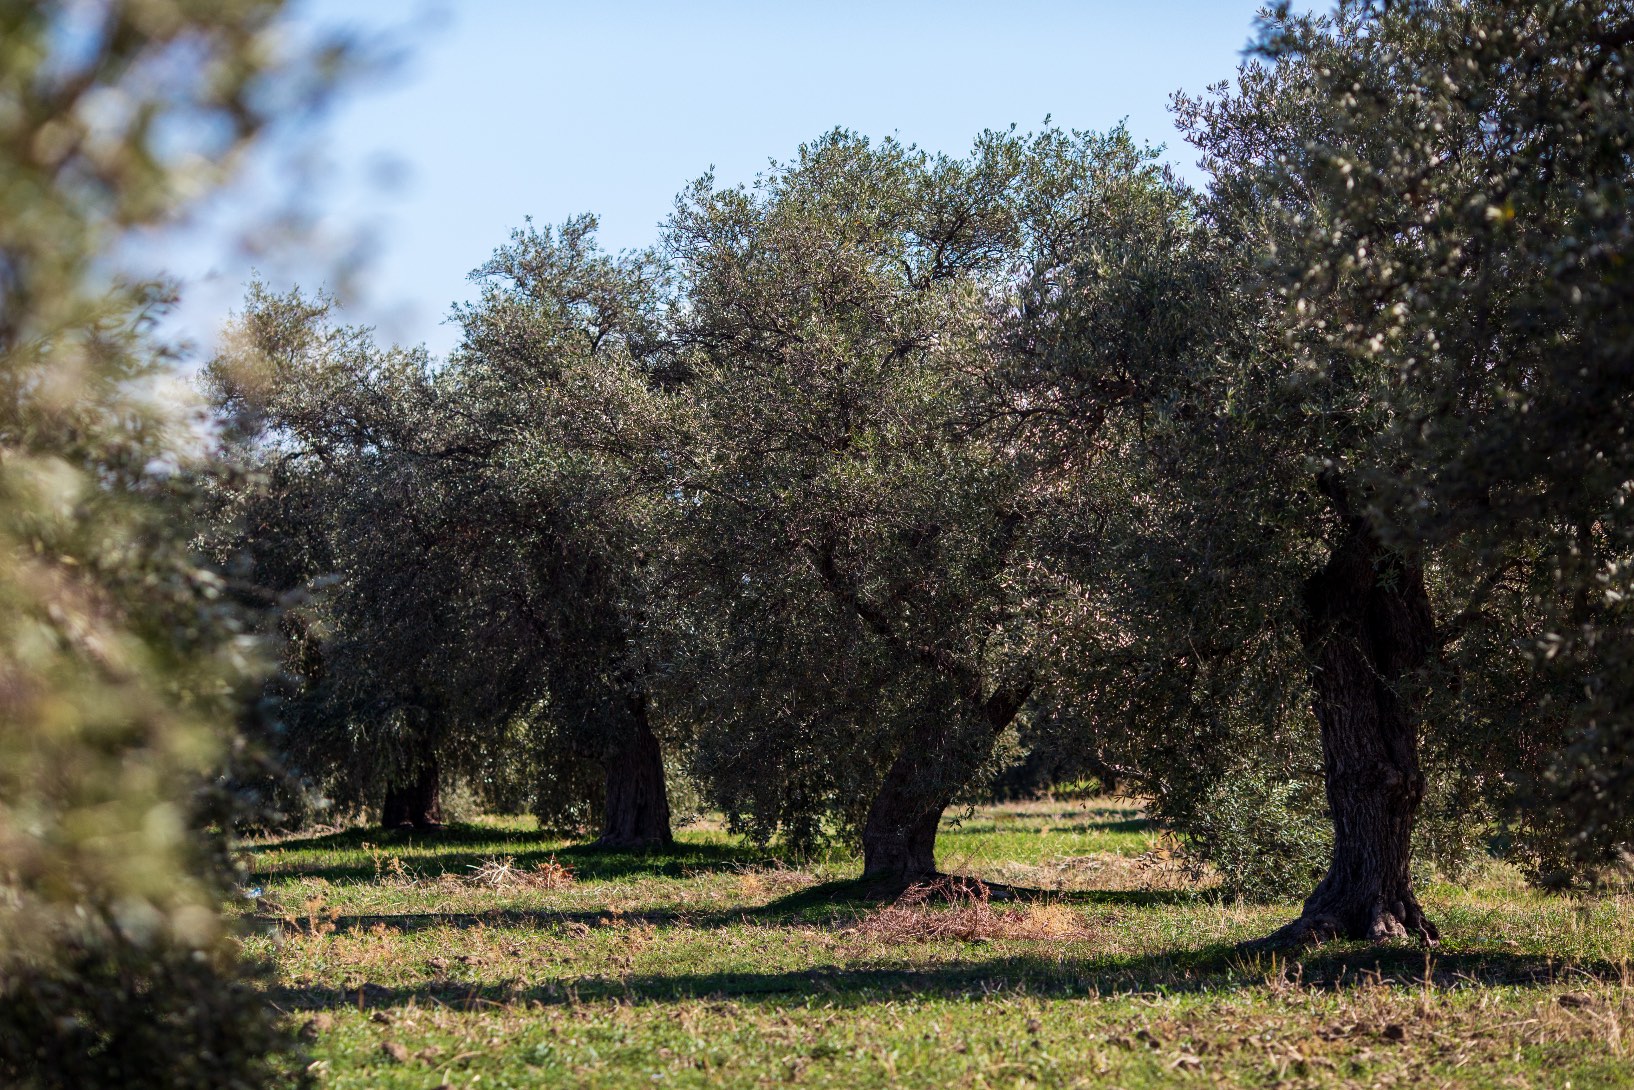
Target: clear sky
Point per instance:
(502, 109)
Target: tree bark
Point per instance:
(899, 836)
(416, 804)
(1368, 632)
(637, 801)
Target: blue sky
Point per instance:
(502, 109)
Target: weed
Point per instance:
(506, 874)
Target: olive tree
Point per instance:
(860, 543)
(1437, 354)
(469, 532)
(1314, 508)
(1471, 249)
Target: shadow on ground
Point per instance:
(1216, 968)
(831, 903)
(460, 848)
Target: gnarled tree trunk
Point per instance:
(416, 804)
(1368, 631)
(899, 837)
(637, 805)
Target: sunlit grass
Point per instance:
(428, 961)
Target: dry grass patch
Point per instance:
(505, 874)
(962, 909)
(776, 880)
(1162, 869)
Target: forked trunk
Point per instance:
(416, 804)
(637, 806)
(1368, 632)
(899, 836)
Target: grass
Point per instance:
(466, 959)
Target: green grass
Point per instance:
(718, 965)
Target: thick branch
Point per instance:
(999, 708)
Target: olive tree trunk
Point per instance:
(637, 801)
(417, 803)
(899, 836)
(1368, 632)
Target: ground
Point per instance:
(495, 956)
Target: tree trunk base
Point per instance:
(424, 825)
(899, 837)
(889, 885)
(938, 887)
(892, 864)
(417, 806)
(1379, 922)
(636, 815)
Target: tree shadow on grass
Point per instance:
(1079, 826)
(441, 853)
(852, 896)
(837, 903)
(1215, 968)
(458, 849)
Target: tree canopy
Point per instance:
(1292, 499)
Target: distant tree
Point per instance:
(470, 534)
(848, 550)
(564, 360)
(119, 662)
(338, 505)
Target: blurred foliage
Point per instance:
(119, 661)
